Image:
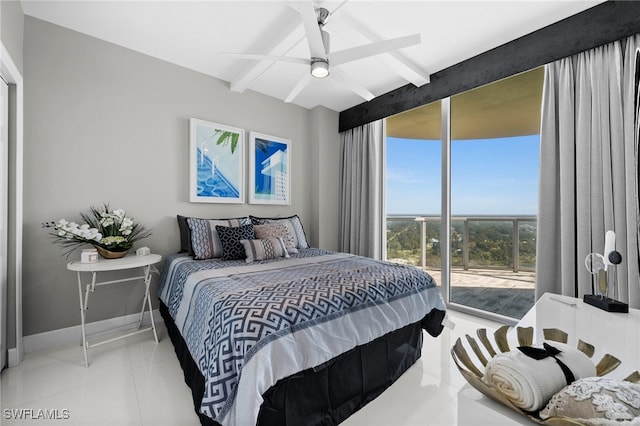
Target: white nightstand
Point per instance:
(105, 265)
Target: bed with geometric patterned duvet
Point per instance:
(303, 336)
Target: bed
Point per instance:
(270, 331)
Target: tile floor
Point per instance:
(136, 382)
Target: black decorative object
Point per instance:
(606, 304)
(607, 277)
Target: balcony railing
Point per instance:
(477, 242)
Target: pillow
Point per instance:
(205, 242)
(230, 237)
(596, 401)
(185, 236)
(277, 230)
(292, 222)
(262, 249)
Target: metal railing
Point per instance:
(482, 241)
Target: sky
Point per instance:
(488, 176)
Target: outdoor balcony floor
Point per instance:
(502, 292)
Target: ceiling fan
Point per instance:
(321, 57)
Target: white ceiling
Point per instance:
(194, 34)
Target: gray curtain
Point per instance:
(361, 190)
(589, 169)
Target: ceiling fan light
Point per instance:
(319, 68)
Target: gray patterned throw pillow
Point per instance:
(277, 230)
(263, 249)
(293, 223)
(205, 241)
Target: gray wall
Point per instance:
(106, 124)
(11, 26)
(325, 195)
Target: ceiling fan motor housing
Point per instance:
(322, 14)
(319, 67)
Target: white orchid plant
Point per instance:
(110, 229)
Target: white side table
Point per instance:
(105, 265)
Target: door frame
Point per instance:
(4, 202)
(12, 75)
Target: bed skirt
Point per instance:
(331, 392)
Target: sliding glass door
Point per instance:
(494, 154)
(413, 174)
(486, 141)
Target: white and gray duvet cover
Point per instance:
(248, 325)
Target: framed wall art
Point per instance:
(269, 169)
(217, 160)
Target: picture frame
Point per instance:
(217, 163)
(269, 169)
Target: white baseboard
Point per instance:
(14, 357)
(65, 336)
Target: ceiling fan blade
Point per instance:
(304, 81)
(352, 84)
(311, 28)
(287, 33)
(355, 33)
(372, 49)
(339, 6)
(251, 56)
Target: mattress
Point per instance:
(248, 326)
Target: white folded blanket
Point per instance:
(529, 383)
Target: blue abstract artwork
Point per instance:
(217, 159)
(211, 180)
(270, 174)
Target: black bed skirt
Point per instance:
(328, 394)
